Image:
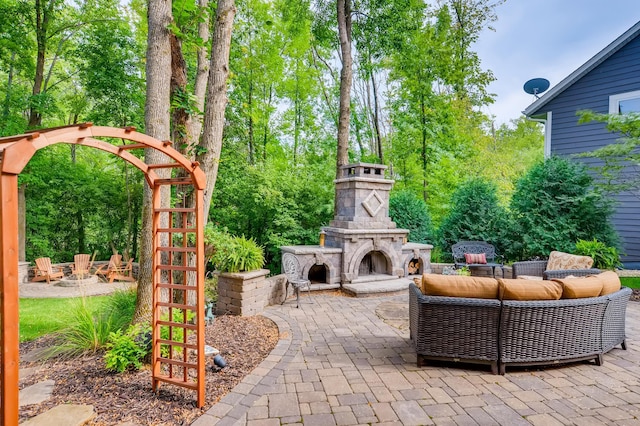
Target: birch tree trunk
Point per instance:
(157, 119)
(211, 142)
(346, 78)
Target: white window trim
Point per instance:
(614, 100)
(547, 136)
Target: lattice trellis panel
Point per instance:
(178, 337)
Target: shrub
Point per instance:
(604, 257)
(232, 254)
(553, 206)
(410, 212)
(174, 334)
(88, 330)
(127, 351)
(475, 215)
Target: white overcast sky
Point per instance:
(548, 39)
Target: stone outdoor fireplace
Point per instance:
(361, 243)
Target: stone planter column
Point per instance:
(242, 293)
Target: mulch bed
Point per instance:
(243, 342)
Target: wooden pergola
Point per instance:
(178, 257)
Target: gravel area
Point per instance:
(118, 398)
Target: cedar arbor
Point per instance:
(177, 265)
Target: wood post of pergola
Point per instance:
(178, 259)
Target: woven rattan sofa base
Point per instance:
(516, 333)
(551, 331)
(454, 328)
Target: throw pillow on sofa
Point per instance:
(459, 286)
(610, 282)
(559, 260)
(518, 289)
(577, 288)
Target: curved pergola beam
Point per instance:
(19, 150)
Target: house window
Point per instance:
(624, 103)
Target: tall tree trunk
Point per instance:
(252, 146)
(297, 119)
(194, 123)
(7, 96)
(376, 119)
(423, 154)
(157, 119)
(42, 24)
(346, 78)
(265, 127)
(211, 143)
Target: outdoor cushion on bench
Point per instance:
(475, 254)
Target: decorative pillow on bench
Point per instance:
(559, 260)
(478, 258)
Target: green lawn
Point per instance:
(43, 316)
(631, 282)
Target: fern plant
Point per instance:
(604, 257)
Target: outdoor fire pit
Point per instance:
(77, 280)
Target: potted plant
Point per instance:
(238, 262)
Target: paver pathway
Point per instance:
(338, 363)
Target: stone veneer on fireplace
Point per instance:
(361, 243)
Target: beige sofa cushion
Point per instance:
(610, 282)
(559, 260)
(518, 289)
(459, 286)
(576, 288)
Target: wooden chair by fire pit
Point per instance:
(81, 265)
(45, 271)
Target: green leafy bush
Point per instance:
(127, 351)
(174, 334)
(410, 212)
(475, 215)
(554, 206)
(232, 254)
(604, 257)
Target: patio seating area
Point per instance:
(339, 363)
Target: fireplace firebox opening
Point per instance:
(374, 263)
(318, 274)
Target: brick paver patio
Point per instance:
(338, 363)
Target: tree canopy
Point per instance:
(415, 105)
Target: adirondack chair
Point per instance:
(81, 265)
(116, 271)
(45, 271)
(115, 262)
(122, 273)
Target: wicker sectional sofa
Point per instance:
(504, 333)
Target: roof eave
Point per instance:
(596, 60)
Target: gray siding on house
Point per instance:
(619, 73)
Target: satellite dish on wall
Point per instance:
(535, 86)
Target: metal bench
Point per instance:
(461, 248)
